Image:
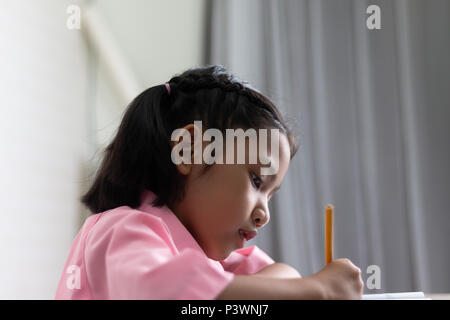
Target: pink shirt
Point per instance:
(147, 253)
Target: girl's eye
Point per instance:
(256, 181)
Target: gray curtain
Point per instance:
(372, 111)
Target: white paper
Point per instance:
(396, 296)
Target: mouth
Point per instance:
(248, 235)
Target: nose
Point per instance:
(261, 217)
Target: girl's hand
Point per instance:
(278, 270)
(340, 279)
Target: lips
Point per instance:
(248, 234)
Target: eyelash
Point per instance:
(253, 181)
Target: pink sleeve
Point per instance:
(246, 261)
(131, 256)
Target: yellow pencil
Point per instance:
(329, 210)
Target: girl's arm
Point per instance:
(278, 270)
(254, 287)
(339, 279)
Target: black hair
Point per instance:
(139, 156)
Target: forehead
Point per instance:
(278, 157)
(264, 149)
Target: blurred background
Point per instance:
(371, 108)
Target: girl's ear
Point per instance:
(194, 132)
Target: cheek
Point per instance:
(221, 197)
(236, 206)
(235, 198)
(224, 183)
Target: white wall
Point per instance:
(43, 144)
(157, 38)
(58, 106)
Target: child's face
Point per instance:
(226, 198)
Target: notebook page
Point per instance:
(418, 295)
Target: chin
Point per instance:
(219, 255)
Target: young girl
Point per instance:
(167, 230)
